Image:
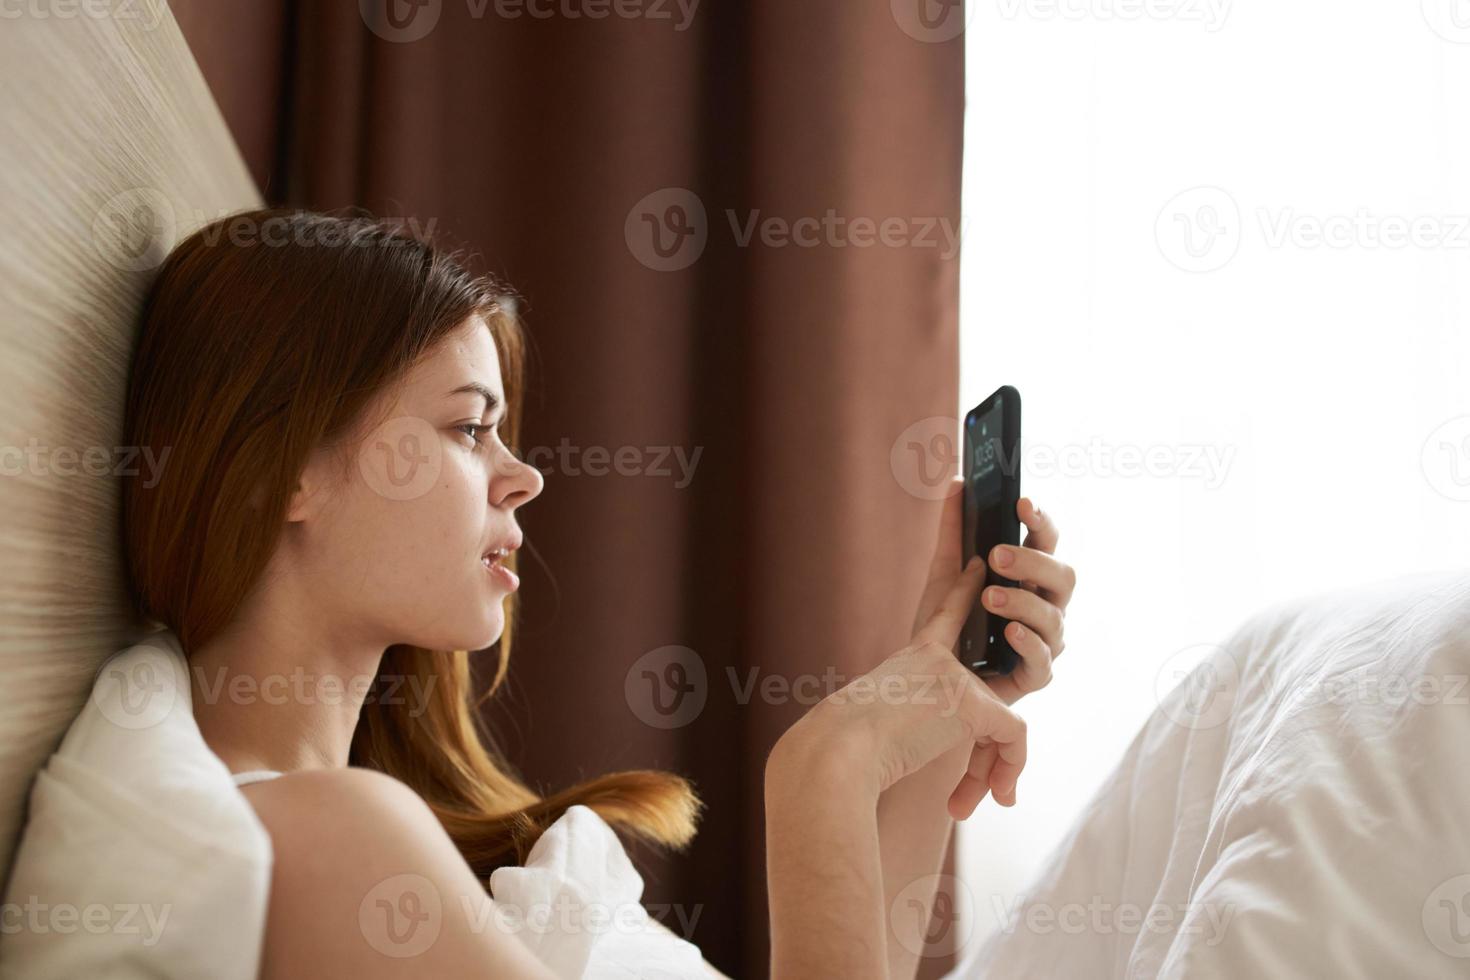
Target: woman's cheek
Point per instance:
(402, 459)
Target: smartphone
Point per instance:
(992, 471)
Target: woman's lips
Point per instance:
(507, 578)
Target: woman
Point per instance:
(338, 510)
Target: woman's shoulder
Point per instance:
(318, 817)
(339, 787)
(366, 883)
(336, 807)
(352, 822)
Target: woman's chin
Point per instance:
(478, 636)
(490, 634)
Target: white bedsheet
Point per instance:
(1298, 807)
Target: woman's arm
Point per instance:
(823, 868)
(914, 828)
(914, 824)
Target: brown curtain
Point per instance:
(793, 551)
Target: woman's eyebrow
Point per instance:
(476, 388)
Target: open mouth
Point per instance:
(494, 563)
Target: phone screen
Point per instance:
(992, 487)
(983, 490)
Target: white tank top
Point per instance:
(254, 776)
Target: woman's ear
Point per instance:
(300, 508)
(307, 498)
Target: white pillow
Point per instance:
(140, 857)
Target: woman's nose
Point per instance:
(516, 482)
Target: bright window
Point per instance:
(1224, 253)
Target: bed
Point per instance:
(1288, 831)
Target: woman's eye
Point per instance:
(473, 430)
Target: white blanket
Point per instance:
(577, 903)
(1299, 806)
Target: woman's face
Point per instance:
(397, 544)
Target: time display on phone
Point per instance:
(983, 485)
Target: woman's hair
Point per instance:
(265, 335)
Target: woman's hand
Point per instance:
(832, 876)
(1037, 608)
(913, 707)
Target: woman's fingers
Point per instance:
(974, 783)
(993, 722)
(1041, 533)
(1055, 580)
(948, 551)
(1029, 609)
(944, 626)
(947, 546)
(1003, 778)
(951, 524)
(1034, 670)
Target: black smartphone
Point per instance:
(992, 471)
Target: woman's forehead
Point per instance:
(465, 364)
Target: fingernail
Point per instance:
(1003, 557)
(996, 597)
(972, 563)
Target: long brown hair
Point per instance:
(265, 335)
